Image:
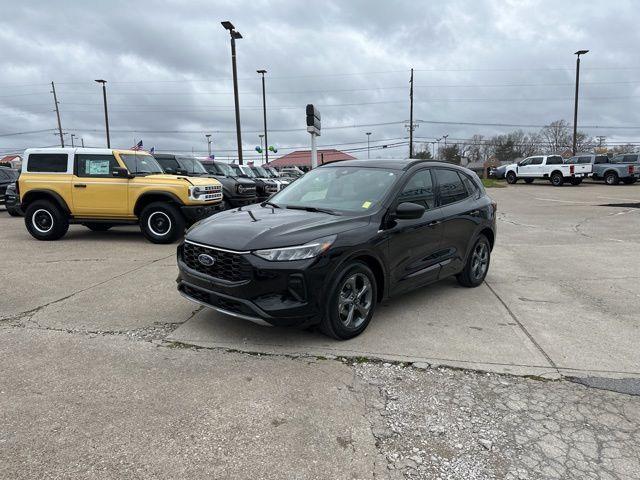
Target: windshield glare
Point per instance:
(260, 172)
(191, 165)
(140, 164)
(350, 189)
(247, 171)
(226, 169)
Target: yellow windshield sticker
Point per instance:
(366, 204)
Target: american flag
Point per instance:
(153, 149)
(137, 146)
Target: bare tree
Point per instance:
(556, 137)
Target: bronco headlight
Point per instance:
(300, 252)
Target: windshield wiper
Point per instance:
(312, 209)
(271, 204)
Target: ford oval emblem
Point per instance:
(206, 260)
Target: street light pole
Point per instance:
(72, 144)
(264, 114)
(235, 35)
(208, 135)
(368, 136)
(261, 135)
(575, 108)
(106, 114)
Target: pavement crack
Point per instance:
(524, 329)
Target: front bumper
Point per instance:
(193, 213)
(273, 293)
(235, 202)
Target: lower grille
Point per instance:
(229, 266)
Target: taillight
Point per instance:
(631, 169)
(572, 169)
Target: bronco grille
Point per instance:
(229, 266)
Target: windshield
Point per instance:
(260, 172)
(191, 165)
(247, 171)
(226, 169)
(349, 189)
(273, 173)
(141, 164)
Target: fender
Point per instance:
(350, 255)
(44, 192)
(160, 193)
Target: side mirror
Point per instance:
(409, 211)
(120, 172)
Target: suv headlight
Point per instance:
(301, 252)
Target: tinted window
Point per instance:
(170, 164)
(584, 160)
(630, 158)
(95, 165)
(601, 159)
(554, 160)
(471, 186)
(47, 162)
(450, 186)
(536, 161)
(191, 165)
(419, 189)
(525, 162)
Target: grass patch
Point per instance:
(493, 183)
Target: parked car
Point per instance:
(547, 167)
(338, 241)
(264, 187)
(625, 168)
(12, 200)
(498, 172)
(275, 175)
(236, 192)
(7, 177)
(263, 174)
(292, 171)
(100, 188)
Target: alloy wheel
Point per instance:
(355, 300)
(480, 261)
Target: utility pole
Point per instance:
(106, 114)
(368, 136)
(55, 100)
(208, 135)
(72, 144)
(264, 114)
(82, 141)
(261, 135)
(575, 108)
(235, 35)
(411, 116)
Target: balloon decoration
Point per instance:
(212, 156)
(273, 149)
(259, 149)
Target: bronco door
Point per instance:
(96, 192)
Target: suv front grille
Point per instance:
(229, 266)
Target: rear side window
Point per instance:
(471, 186)
(584, 160)
(419, 189)
(630, 159)
(554, 160)
(47, 162)
(450, 186)
(601, 159)
(88, 165)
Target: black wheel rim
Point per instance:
(480, 261)
(159, 223)
(42, 220)
(355, 299)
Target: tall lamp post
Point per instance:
(208, 135)
(264, 115)
(368, 136)
(235, 35)
(72, 137)
(261, 135)
(575, 108)
(106, 114)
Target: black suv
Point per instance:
(236, 191)
(339, 240)
(264, 187)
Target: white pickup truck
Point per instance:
(548, 167)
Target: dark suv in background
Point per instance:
(333, 244)
(236, 191)
(264, 187)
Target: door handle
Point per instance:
(80, 185)
(474, 213)
(434, 223)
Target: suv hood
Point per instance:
(257, 227)
(177, 179)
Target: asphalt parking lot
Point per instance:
(104, 377)
(561, 297)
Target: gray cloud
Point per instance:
(168, 67)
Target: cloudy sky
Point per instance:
(478, 65)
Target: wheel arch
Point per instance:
(372, 261)
(154, 196)
(34, 195)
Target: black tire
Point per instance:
(347, 315)
(557, 180)
(511, 178)
(528, 180)
(45, 220)
(98, 227)
(576, 181)
(477, 266)
(611, 178)
(162, 222)
(14, 212)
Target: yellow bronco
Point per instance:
(100, 188)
